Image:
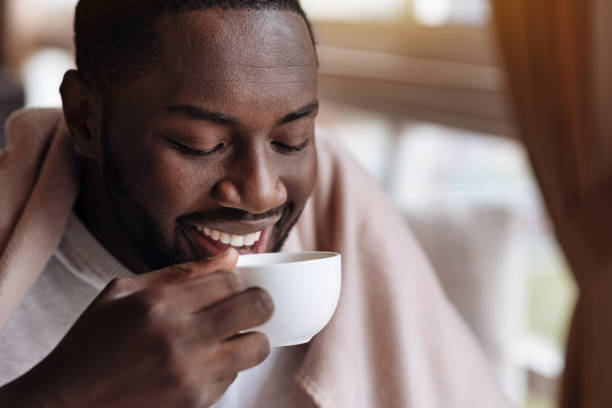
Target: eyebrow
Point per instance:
(304, 111)
(197, 113)
(193, 112)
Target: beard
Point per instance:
(137, 222)
(138, 219)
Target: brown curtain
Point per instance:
(559, 68)
(3, 31)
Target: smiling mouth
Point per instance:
(214, 242)
(237, 241)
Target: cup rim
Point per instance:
(325, 256)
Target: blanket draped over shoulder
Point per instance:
(395, 341)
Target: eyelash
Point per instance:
(193, 152)
(291, 149)
(280, 146)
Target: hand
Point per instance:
(164, 339)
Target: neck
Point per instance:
(94, 209)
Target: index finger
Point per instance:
(175, 273)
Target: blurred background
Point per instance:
(418, 92)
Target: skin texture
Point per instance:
(141, 193)
(169, 338)
(163, 339)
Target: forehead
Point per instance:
(232, 58)
(237, 44)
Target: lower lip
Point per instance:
(214, 248)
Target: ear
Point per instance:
(83, 113)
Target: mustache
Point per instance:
(233, 214)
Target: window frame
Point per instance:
(458, 101)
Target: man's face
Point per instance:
(215, 145)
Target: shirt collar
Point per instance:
(86, 258)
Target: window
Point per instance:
(425, 12)
(354, 10)
(472, 202)
(451, 12)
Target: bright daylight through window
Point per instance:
(425, 12)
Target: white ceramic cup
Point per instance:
(305, 288)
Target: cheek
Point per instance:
(168, 183)
(300, 176)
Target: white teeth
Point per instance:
(249, 240)
(226, 238)
(237, 241)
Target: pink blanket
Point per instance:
(395, 340)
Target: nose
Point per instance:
(251, 184)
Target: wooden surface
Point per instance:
(446, 75)
(463, 95)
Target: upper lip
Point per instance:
(238, 227)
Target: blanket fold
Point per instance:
(39, 182)
(395, 340)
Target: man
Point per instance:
(191, 130)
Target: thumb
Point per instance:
(225, 261)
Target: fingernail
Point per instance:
(222, 254)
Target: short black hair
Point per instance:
(116, 40)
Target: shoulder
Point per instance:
(29, 130)
(352, 210)
(27, 120)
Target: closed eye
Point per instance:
(291, 149)
(195, 152)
